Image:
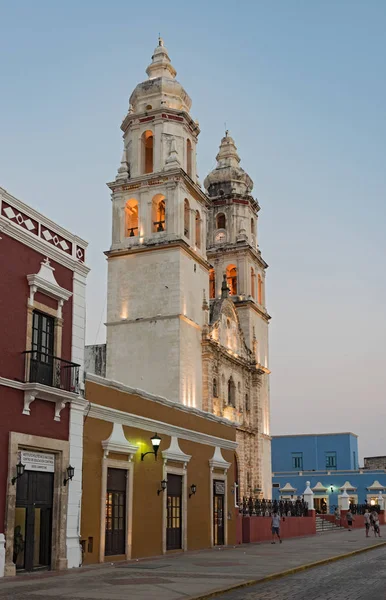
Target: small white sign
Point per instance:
(37, 461)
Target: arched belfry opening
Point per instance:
(147, 152)
(189, 157)
(253, 282)
(221, 221)
(259, 289)
(186, 218)
(198, 229)
(159, 214)
(231, 274)
(231, 392)
(131, 215)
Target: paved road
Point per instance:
(192, 574)
(362, 577)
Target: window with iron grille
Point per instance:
(331, 460)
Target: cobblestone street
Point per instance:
(196, 574)
(362, 577)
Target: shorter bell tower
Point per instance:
(157, 265)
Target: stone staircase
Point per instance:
(322, 525)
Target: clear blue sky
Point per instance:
(301, 86)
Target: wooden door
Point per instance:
(115, 541)
(174, 513)
(218, 512)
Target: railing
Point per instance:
(51, 370)
(254, 507)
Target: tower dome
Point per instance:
(228, 177)
(161, 89)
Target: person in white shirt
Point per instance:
(275, 525)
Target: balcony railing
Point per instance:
(51, 371)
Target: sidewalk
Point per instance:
(184, 576)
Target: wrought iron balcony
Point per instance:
(51, 371)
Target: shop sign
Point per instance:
(37, 461)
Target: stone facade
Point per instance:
(172, 243)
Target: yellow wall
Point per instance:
(147, 505)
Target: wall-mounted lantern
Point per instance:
(155, 442)
(193, 490)
(331, 488)
(164, 485)
(70, 474)
(19, 472)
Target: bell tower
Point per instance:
(233, 251)
(157, 265)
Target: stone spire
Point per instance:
(123, 171)
(224, 287)
(172, 160)
(228, 177)
(161, 65)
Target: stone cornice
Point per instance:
(158, 113)
(163, 245)
(254, 306)
(215, 252)
(109, 383)
(113, 415)
(161, 178)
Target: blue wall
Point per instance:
(313, 450)
(359, 479)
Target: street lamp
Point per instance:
(70, 474)
(193, 489)
(19, 472)
(155, 442)
(164, 485)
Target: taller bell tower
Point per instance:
(157, 265)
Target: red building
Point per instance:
(42, 326)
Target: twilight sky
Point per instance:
(301, 86)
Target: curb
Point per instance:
(280, 574)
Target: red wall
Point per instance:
(258, 529)
(39, 422)
(16, 262)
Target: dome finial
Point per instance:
(161, 65)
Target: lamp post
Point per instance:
(19, 472)
(70, 474)
(155, 442)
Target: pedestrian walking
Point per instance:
(367, 518)
(350, 519)
(275, 526)
(377, 529)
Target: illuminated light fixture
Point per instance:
(164, 485)
(70, 474)
(193, 490)
(331, 488)
(19, 472)
(155, 442)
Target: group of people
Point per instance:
(371, 522)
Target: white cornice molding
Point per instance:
(41, 246)
(109, 383)
(117, 442)
(112, 415)
(175, 454)
(31, 212)
(218, 461)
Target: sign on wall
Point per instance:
(219, 488)
(37, 461)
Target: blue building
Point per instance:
(330, 462)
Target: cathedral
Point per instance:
(186, 312)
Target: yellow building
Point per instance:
(137, 503)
